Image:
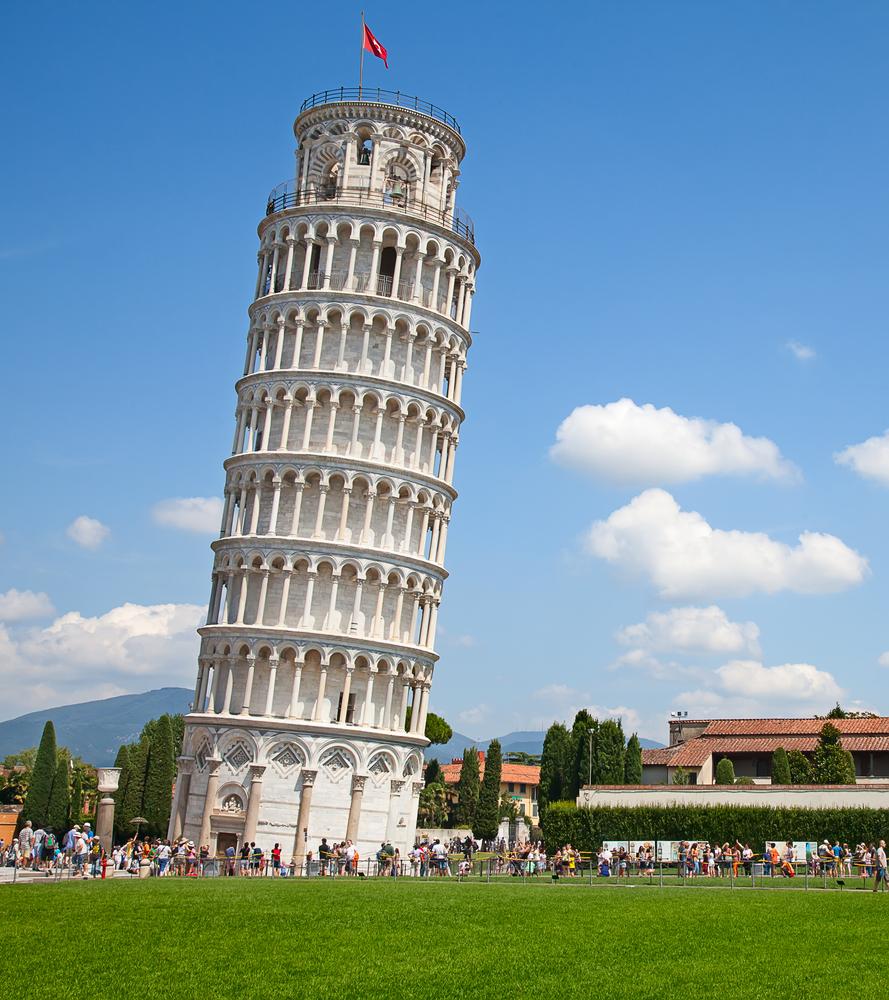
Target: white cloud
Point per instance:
(16, 605)
(473, 716)
(748, 688)
(623, 442)
(199, 514)
(88, 532)
(884, 660)
(802, 352)
(564, 702)
(683, 556)
(130, 648)
(869, 459)
(691, 630)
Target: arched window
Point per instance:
(387, 271)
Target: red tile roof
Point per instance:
(521, 773)
(741, 736)
(795, 727)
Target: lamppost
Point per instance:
(590, 735)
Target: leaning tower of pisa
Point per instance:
(319, 649)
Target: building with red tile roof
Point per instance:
(518, 781)
(696, 745)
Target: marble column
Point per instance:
(213, 765)
(301, 836)
(253, 802)
(358, 781)
(180, 802)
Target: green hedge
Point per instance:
(586, 829)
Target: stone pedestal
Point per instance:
(108, 778)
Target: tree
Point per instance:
(584, 742)
(850, 768)
(829, 762)
(780, 767)
(433, 774)
(45, 763)
(680, 776)
(60, 795)
(122, 761)
(800, 768)
(487, 814)
(433, 806)
(468, 788)
(437, 730)
(633, 762)
(160, 774)
(133, 800)
(611, 753)
(725, 772)
(77, 796)
(509, 808)
(554, 763)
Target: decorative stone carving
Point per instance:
(238, 756)
(232, 804)
(396, 786)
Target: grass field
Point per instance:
(339, 938)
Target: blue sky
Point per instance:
(681, 205)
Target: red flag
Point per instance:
(372, 45)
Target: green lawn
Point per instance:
(184, 938)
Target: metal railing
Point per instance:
(374, 95)
(285, 196)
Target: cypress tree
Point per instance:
(433, 774)
(77, 797)
(830, 763)
(487, 815)
(60, 795)
(554, 765)
(633, 762)
(725, 772)
(37, 800)
(160, 774)
(134, 799)
(122, 760)
(583, 763)
(468, 788)
(780, 767)
(800, 768)
(612, 751)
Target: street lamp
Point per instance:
(590, 736)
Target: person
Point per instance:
(351, 858)
(26, 843)
(880, 865)
(164, 853)
(244, 859)
(230, 853)
(276, 861)
(324, 855)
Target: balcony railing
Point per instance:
(285, 196)
(339, 282)
(373, 95)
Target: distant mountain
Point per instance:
(94, 730)
(523, 741)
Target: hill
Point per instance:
(94, 730)
(523, 741)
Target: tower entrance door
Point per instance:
(224, 841)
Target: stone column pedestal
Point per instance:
(109, 778)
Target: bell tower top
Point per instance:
(380, 148)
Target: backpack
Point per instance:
(49, 842)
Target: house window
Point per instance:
(693, 778)
(522, 788)
(511, 787)
(763, 767)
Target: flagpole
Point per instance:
(361, 59)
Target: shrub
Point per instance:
(725, 772)
(564, 823)
(780, 767)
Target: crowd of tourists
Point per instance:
(80, 853)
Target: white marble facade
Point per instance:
(318, 653)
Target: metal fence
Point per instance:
(502, 869)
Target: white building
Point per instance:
(318, 653)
